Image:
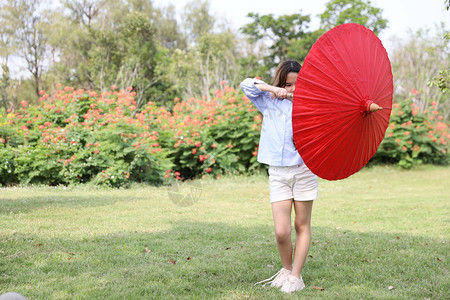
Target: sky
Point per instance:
(403, 15)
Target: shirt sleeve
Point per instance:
(259, 98)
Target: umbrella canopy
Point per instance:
(342, 101)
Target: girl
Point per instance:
(291, 182)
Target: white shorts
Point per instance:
(295, 182)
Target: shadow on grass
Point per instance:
(215, 260)
(27, 204)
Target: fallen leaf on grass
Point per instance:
(315, 242)
(318, 288)
(172, 261)
(439, 260)
(147, 251)
(188, 259)
(390, 287)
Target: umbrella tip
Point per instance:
(374, 107)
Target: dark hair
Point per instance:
(283, 69)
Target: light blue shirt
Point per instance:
(276, 144)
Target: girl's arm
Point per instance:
(278, 92)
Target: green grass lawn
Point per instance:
(382, 233)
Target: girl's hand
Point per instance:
(280, 93)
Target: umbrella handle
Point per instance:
(370, 106)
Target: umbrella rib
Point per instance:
(357, 92)
(338, 69)
(346, 139)
(322, 134)
(314, 82)
(329, 143)
(325, 88)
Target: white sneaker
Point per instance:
(276, 280)
(293, 284)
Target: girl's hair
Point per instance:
(283, 69)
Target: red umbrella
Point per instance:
(342, 101)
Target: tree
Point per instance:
(281, 35)
(168, 29)
(201, 69)
(197, 20)
(339, 12)
(415, 62)
(138, 56)
(29, 34)
(85, 11)
(4, 85)
(7, 29)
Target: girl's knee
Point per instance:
(283, 236)
(302, 226)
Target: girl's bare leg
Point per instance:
(281, 212)
(302, 226)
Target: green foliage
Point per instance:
(361, 12)
(442, 81)
(213, 137)
(7, 164)
(428, 56)
(76, 137)
(414, 138)
(4, 85)
(197, 19)
(284, 33)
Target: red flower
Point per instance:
(208, 170)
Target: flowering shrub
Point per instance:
(414, 138)
(211, 137)
(77, 136)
